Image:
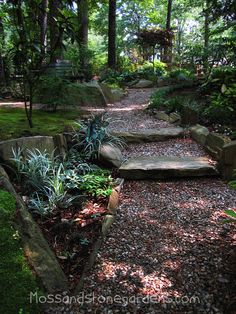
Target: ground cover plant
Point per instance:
(68, 199)
(93, 133)
(68, 196)
(13, 123)
(17, 280)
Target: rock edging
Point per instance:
(106, 225)
(37, 251)
(219, 147)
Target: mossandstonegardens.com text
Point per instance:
(92, 298)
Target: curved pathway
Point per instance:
(168, 251)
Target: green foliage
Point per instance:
(74, 54)
(160, 99)
(15, 276)
(97, 184)
(220, 76)
(222, 107)
(53, 184)
(92, 134)
(231, 214)
(147, 70)
(180, 75)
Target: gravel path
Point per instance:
(182, 147)
(129, 114)
(168, 251)
(168, 245)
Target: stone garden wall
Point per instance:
(219, 147)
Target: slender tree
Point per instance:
(83, 22)
(82, 34)
(168, 49)
(2, 67)
(55, 36)
(206, 36)
(112, 34)
(43, 25)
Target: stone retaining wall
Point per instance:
(219, 147)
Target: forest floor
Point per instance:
(168, 251)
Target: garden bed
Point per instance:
(72, 233)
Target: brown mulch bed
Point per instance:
(170, 246)
(71, 234)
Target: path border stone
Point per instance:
(109, 219)
(150, 135)
(36, 248)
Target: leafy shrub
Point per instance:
(180, 75)
(147, 71)
(222, 107)
(98, 183)
(219, 76)
(158, 99)
(92, 134)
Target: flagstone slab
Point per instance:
(166, 167)
(150, 135)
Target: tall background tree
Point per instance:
(82, 33)
(112, 34)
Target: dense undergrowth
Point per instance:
(214, 101)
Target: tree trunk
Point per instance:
(43, 26)
(112, 34)
(206, 38)
(169, 12)
(2, 67)
(168, 49)
(82, 36)
(83, 21)
(55, 38)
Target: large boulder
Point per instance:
(143, 84)
(228, 161)
(174, 117)
(92, 94)
(110, 156)
(199, 133)
(78, 94)
(41, 143)
(118, 94)
(107, 92)
(161, 115)
(3, 173)
(214, 144)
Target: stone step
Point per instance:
(149, 135)
(166, 167)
